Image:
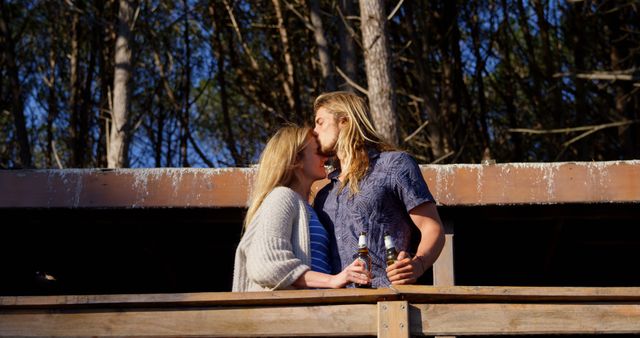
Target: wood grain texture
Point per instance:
(266, 298)
(444, 268)
(480, 294)
(496, 319)
(329, 320)
(393, 319)
(458, 184)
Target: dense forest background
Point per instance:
(128, 83)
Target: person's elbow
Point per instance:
(274, 274)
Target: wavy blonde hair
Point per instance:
(355, 138)
(277, 164)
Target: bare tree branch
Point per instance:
(441, 158)
(597, 128)
(569, 130)
(304, 19)
(416, 132)
(245, 47)
(350, 29)
(626, 75)
(393, 12)
(351, 82)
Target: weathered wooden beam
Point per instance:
(411, 293)
(494, 294)
(400, 311)
(265, 298)
(463, 184)
(289, 321)
(524, 319)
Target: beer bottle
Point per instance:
(391, 254)
(363, 256)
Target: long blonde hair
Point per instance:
(277, 163)
(355, 138)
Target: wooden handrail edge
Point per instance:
(411, 293)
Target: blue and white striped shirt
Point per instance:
(319, 243)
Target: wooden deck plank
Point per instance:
(290, 297)
(328, 320)
(428, 310)
(439, 294)
(517, 319)
(412, 293)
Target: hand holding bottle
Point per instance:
(356, 272)
(405, 270)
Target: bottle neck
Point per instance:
(388, 243)
(362, 241)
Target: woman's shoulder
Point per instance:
(282, 194)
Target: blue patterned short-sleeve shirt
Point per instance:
(393, 186)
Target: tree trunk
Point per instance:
(619, 54)
(186, 86)
(52, 97)
(535, 92)
(159, 137)
(448, 103)
(106, 79)
(74, 97)
(549, 68)
(348, 60)
(376, 58)
(576, 24)
(86, 108)
(509, 91)
(422, 21)
(463, 108)
(478, 74)
(324, 54)
(289, 84)
(17, 99)
(119, 139)
(220, 56)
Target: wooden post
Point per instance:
(393, 319)
(443, 268)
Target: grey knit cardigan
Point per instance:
(275, 248)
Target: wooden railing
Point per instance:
(451, 185)
(457, 184)
(387, 312)
(442, 310)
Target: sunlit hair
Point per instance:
(277, 163)
(355, 138)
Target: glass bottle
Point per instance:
(363, 256)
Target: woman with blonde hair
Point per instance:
(284, 245)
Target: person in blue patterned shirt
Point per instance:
(374, 189)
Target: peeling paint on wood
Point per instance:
(459, 184)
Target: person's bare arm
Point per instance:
(406, 270)
(353, 273)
